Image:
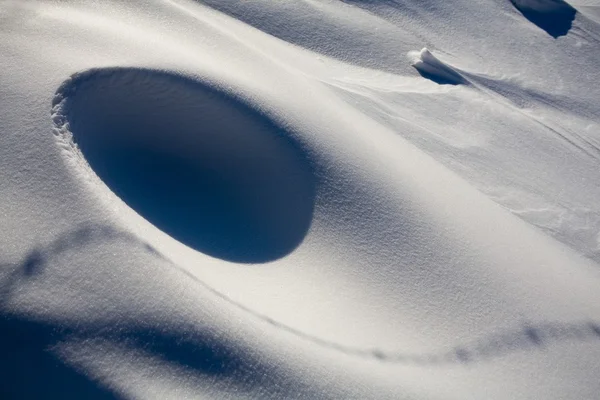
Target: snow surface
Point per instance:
(299, 199)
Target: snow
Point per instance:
(432, 68)
(225, 191)
(258, 199)
(553, 16)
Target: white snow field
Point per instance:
(299, 199)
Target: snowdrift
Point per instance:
(267, 200)
(432, 68)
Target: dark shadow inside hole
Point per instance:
(201, 165)
(553, 16)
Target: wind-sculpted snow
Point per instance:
(205, 354)
(289, 200)
(432, 68)
(554, 16)
(197, 163)
(328, 28)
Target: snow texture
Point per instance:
(432, 68)
(289, 200)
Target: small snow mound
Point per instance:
(432, 68)
(199, 164)
(553, 16)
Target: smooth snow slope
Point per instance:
(298, 199)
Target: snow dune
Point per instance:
(266, 200)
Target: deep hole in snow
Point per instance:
(199, 164)
(554, 16)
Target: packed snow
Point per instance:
(299, 199)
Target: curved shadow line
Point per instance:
(531, 336)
